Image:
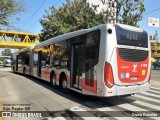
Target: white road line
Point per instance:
(150, 94)
(157, 88)
(101, 108)
(154, 91)
(147, 98)
(91, 116)
(147, 105)
(131, 107)
(57, 118)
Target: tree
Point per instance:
(130, 11)
(9, 8)
(78, 14)
(6, 52)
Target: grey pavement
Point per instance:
(40, 96)
(155, 78)
(2, 69)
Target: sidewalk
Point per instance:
(2, 69)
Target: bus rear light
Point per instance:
(108, 75)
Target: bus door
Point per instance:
(39, 64)
(16, 62)
(77, 65)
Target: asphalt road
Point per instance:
(17, 91)
(155, 78)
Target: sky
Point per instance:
(34, 10)
(150, 5)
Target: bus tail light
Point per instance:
(108, 75)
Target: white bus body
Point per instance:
(107, 60)
(7, 62)
(22, 61)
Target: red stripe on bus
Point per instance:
(57, 76)
(27, 70)
(89, 88)
(46, 74)
(68, 80)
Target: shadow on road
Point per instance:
(80, 98)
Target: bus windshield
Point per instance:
(131, 38)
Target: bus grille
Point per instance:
(132, 54)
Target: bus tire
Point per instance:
(24, 71)
(63, 84)
(53, 80)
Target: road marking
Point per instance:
(131, 107)
(80, 111)
(57, 118)
(147, 104)
(150, 94)
(101, 108)
(147, 98)
(153, 91)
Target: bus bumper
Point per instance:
(125, 90)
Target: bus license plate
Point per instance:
(133, 78)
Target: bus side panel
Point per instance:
(106, 51)
(101, 62)
(91, 60)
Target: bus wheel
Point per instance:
(24, 71)
(53, 81)
(64, 84)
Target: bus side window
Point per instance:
(61, 56)
(45, 59)
(35, 61)
(91, 57)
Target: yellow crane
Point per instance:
(17, 40)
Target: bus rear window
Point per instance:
(131, 38)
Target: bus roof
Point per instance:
(74, 34)
(23, 50)
(80, 32)
(128, 27)
(67, 36)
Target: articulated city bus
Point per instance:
(22, 61)
(106, 60)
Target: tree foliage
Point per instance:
(78, 14)
(6, 52)
(9, 8)
(130, 11)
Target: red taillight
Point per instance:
(108, 75)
